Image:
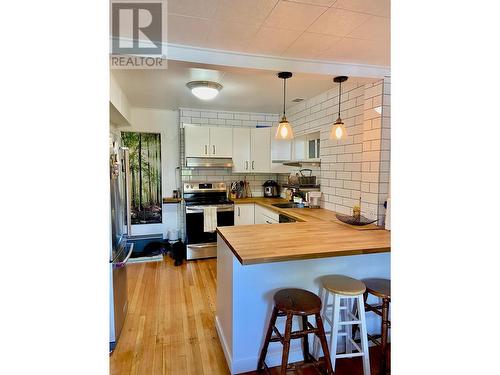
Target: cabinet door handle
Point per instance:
(239, 212)
(206, 149)
(253, 164)
(213, 148)
(246, 165)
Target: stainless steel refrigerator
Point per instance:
(120, 230)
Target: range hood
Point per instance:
(303, 163)
(209, 162)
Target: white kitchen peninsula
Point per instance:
(254, 261)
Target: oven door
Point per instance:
(206, 242)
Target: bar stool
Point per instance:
(380, 288)
(290, 302)
(346, 292)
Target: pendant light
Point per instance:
(338, 129)
(284, 129)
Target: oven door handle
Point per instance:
(203, 245)
(197, 209)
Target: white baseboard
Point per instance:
(227, 351)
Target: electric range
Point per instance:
(197, 196)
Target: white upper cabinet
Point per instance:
(241, 150)
(260, 150)
(307, 146)
(208, 142)
(221, 142)
(252, 150)
(197, 141)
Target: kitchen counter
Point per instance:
(263, 243)
(318, 234)
(301, 214)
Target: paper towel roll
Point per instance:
(388, 215)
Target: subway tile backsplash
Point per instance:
(358, 166)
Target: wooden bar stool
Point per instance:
(290, 302)
(380, 288)
(346, 292)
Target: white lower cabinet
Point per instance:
(244, 214)
(265, 216)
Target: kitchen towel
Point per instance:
(209, 219)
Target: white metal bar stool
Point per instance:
(340, 315)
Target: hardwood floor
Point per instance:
(169, 328)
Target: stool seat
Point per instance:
(344, 285)
(378, 287)
(297, 301)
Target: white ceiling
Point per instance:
(253, 90)
(351, 31)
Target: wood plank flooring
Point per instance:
(169, 328)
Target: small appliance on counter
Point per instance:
(312, 198)
(271, 189)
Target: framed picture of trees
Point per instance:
(145, 170)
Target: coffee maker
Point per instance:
(271, 189)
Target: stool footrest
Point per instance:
(349, 355)
(293, 335)
(373, 309)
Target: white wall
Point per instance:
(166, 123)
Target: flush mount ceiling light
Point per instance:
(338, 129)
(204, 90)
(284, 130)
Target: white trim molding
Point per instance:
(179, 52)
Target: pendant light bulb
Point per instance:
(284, 130)
(339, 130)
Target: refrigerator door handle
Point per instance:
(128, 193)
(123, 262)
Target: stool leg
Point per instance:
(324, 345)
(384, 333)
(355, 327)
(335, 318)
(269, 333)
(324, 294)
(363, 335)
(286, 343)
(347, 328)
(305, 342)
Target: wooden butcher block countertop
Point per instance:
(318, 234)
